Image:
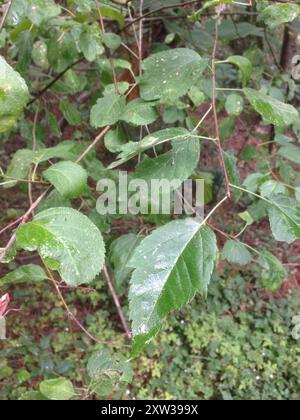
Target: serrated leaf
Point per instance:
(108, 110)
(284, 214)
(170, 74)
(139, 112)
(171, 265)
(271, 188)
(59, 389)
(236, 253)
(69, 178)
(67, 241)
(272, 110)
(132, 149)
(290, 152)
(14, 95)
(273, 273)
(27, 274)
(278, 14)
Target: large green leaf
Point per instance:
(284, 214)
(14, 95)
(67, 241)
(170, 74)
(272, 110)
(245, 66)
(108, 110)
(278, 14)
(171, 265)
(69, 178)
(273, 273)
(59, 389)
(132, 149)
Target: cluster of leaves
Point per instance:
(93, 90)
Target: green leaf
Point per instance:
(108, 110)
(177, 164)
(231, 163)
(90, 43)
(236, 253)
(105, 362)
(271, 188)
(67, 241)
(171, 265)
(69, 178)
(27, 274)
(111, 40)
(170, 74)
(59, 389)
(121, 251)
(71, 113)
(234, 104)
(272, 110)
(244, 65)
(284, 214)
(278, 14)
(139, 112)
(114, 140)
(254, 181)
(291, 153)
(14, 95)
(37, 11)
(132, 149)
(22, 160)
(273, 273)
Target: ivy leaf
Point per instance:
(245, 66)
(67, 241)
(108, 110)
(14, 96)
(284, 214)
(273, 273)
(59, 389)
(69, 178)
(236, 253)
(132, 149)
(139, 112)
(27, 274)
(272, 110)
(171, 265)
(278, 14)
(170, 74)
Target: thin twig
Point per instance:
(117, 303)
(140, 46)
(214, 104)
(5, 14)
(93, 144)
